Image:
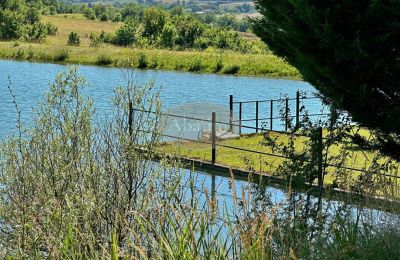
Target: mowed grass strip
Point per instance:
(55, 49)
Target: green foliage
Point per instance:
(61, 55)
(142, 61)
(37, 31)
(349, 51)
(231, 69)
(168, 36)
(117, 18)
(153, 22)
(188, 30)
(99, 39)
(129, 33)
(74, 39)
(89, 13)
(195, 65)
(104, 60)
(51, 29)
(21, 19)
(104, 17)
(175, 28)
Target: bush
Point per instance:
(51, 29)
(142, 61)
(104, 60)
(195, 65)
(218, 65)
(117, 18)
(61, 55)
(104, 17)
(231, 69)
(128, 33)
(20, 54)
(74, 39)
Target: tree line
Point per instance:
(175, 28)
(21, 19)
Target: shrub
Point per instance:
(20, 54)
(231, 69)
(195, 65)
(128, 33)
(142, 61)
(218, 65)
(95, 39)
(104, 17)
(61, 55)
(117, 18)
(74, 39)
(104, 60)
(51, 29)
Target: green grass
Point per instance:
(263, 163)
(54, 48)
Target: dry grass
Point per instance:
(67, 23)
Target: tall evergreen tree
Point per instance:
(349, 50)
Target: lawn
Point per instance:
(55, 49)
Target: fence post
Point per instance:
(240, 118)
(297, 109)
(256, 116)
(213, 137)
(231, 113)
(319, 158)
(130, 119)
(286, 114)
(271, 114)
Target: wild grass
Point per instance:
(104, 60)
(226, 62)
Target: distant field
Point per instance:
(67, 23)
(55, 49)
(252, 15)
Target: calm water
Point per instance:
(30, 81)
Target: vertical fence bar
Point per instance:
(271, 114)
(256, 116)
(286, 114)
(130, 119)
(231, 113)
(213, 137)
(320, 148)
(240, 118)
(297, 109)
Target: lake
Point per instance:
(30, 81)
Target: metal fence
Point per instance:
(239, 123)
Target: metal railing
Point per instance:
(271, 117)
(213, 143)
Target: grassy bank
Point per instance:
(55, 49)
(240, 159)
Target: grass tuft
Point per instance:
(104, 60)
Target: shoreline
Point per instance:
(215, 63)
